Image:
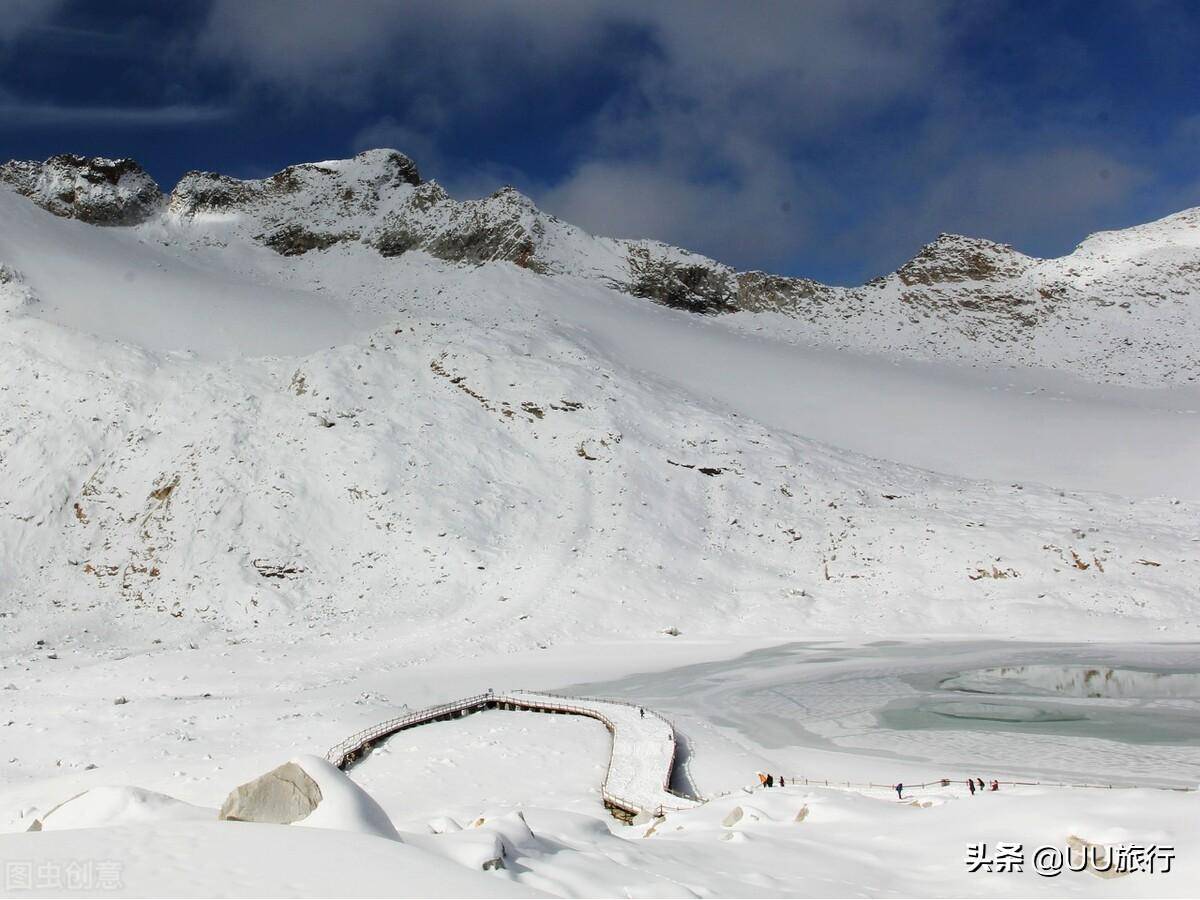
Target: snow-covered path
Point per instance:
(639, 770)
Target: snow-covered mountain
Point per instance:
(281, 457)
(338, 395)
(1121, 308)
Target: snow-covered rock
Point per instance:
(308, 791)
(95, 190)
(14, 292)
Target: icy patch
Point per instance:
(1093, 682)
(1003, 712)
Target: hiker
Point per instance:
(995, 785)
(642, 712)
(900, 790)
(781, 784)
(971, 786)
(762, 779)
(979, 781)
(770, 781)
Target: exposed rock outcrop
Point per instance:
(95, 190)
(308, 791)
(687, 282)
(761, 292)
(953, 258)
(329, 198)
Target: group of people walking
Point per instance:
(765, 779)
(971, 786)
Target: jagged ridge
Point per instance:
(1120, 308)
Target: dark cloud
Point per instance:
(19, 16)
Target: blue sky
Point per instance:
(823, 139)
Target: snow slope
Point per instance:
(119, 284)
(517, 451)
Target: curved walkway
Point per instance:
(639, 771)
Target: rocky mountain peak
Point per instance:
(335, 189)
(95, 190)
(956, 258)
(392, 167)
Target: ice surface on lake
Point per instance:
(1077, 681)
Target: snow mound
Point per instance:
(118, 805)
(488, 844)
(344, 805)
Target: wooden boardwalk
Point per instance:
(638, 777)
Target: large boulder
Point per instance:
(282, 796)
(308, 791)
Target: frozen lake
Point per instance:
(1122, 714)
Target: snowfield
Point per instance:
(264, 485)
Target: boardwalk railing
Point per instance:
(842, 784)
(946, 782)
(649, 713)
(347, 752)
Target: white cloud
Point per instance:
(1048, 196)
(465, 54)
(20, 113)
(758, 218)
(709, 112)
(414, 143)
